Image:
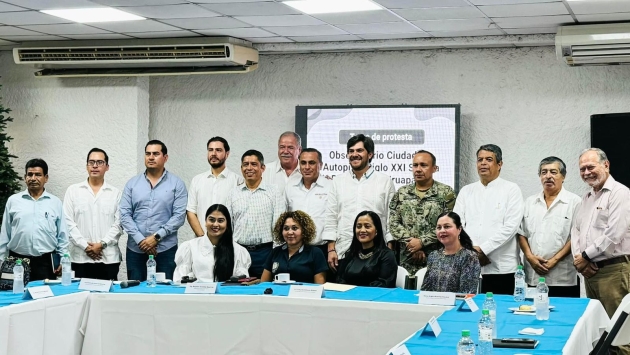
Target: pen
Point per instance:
(46, 214)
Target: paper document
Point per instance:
(331, 286)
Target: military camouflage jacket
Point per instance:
(412, 217)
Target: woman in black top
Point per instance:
(368, 262)
(305, 263)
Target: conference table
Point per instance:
(244, 320)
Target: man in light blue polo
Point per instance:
(152, 209)
(33, 226)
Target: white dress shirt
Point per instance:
(601, 224)
(491, 215)
(547, 231)
(207, 189)
(274, 174)
(254, 213)
(348, 197)
(93, 218)
(312, 201)
(195, 258)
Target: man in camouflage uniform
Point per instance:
(414, 210)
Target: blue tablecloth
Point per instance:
(558, 328)
(357, 294)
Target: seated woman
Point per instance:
(305, 263)
(215, 257)
(454, 267)
(368, 262)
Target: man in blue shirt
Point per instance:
(152, 208)
(33, 226)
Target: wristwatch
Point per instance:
(157, 237)
(103, 244)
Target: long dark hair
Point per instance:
(224, 250)
(464, 238)
(379, 241)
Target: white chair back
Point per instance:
(420, 277)
(623, 336)
(400, 277)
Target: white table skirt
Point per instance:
(48, 326)
(220, 324)
(587, 330)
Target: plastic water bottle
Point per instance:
(66, 270)
(151, 266)
(519, 285)
(492, 309)
(542, 300)
(18, 277)
(485, 333)
(466, 346)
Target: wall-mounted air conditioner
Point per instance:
(181, 56)
(604, 44)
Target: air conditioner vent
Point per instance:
(97, 54)
(602, 44)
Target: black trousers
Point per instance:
(100, 271)
(41, 266)
(498, 284)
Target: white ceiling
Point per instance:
(269, 21)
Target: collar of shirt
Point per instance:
(365, 176)
(279, 168)
(321, 180)
(223, 174)
(607, 186)
(160, 180)
(85, 184)
(411, 190)
(561, 198)
(262, 186)
(285, 246)
(45, 194)
(206, 246)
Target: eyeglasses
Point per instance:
(96, 162)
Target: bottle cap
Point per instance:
(151, 257)
(542, 279)
(465, 333)
(520, 267)
(489, 294)
(66, 255)
(485, 312)
(19, 262)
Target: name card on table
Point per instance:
(201, 288)
(432, 328)
(96, 285)
(401, 350)
(37, 292)
(304, 291)
(437, 298)
(470, 304)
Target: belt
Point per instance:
(257, 247)
(613, 261)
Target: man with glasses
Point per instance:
(152, 209)
(91, 211)
(545, 234)
(33, 226)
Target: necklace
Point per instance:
(365, 256)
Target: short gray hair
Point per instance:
(600, 154)
(297, 137)
(551, 160)
(492, 148)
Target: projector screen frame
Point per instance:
(301, 125)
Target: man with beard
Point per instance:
(212, 186)
(360, 189)
(414, 211)
(545, 235)
(33, 225)
(600, 238)
(286, 168)
(492, 210)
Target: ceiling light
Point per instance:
(97, 14)
(332, 6)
